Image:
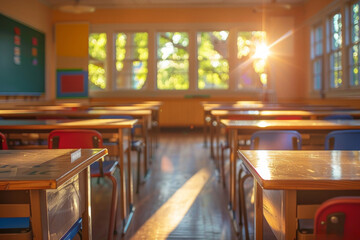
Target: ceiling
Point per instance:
(287, 4)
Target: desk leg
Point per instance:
(217, 135)
(206, 120)
(130, 176)
(258, 212)
(211, 128)
(86, 216)
(145, 134)
(36, 224)
(122, 175)
(290, 221)
(233, 150)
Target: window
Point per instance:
(335, 38)
(354, 45)
(252, 68)
(97, 59)
(317, 56)
(172, 61)
(175, 60)
(131, 64)
(213, 66)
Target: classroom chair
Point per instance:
(82, 138)
(265, 140)
(13, 223)
(338, 219)
(225, 145)
(343, 140)
(136, 144)
(339, 117)
(3, 142)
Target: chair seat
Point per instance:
(108, 168)
(11, 223)
(73, 230)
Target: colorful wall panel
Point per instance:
(72, 60)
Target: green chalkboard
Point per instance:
(22, 59)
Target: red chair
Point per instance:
(3, 143)
(338, 218)
(80, 138)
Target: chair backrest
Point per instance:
(343, 140)
(339, 117)
(3, 143)
(276, 140)
(338, 218)
(75, 138)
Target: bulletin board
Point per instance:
(22, 59)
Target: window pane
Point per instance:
(336, 27)
(97, 56)
(354, 65)
(355, 22)
(317, 68)
(252, 71)
(335, 51)
(173, 61)
(213, 66)
(131, 60)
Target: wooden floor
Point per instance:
(182, 198)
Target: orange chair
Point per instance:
(80, 138)
(3, 143)
(338, 218)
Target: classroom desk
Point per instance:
(44, 175)
(143, 115)
(217, 115)
(257, 106)
(120, 126)
(290, 185)
(247, 127)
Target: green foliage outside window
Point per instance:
(213, 66)
(131, 60)
(97, 57)
(173, 61)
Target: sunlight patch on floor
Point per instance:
(171, 213)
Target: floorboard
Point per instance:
(182, 198)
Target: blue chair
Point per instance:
(265, 140)
(339, 117)
(82, 138)
(136, 145)
(343, 140)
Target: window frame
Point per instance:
(350, 44)
(150, 88)
(323, 18)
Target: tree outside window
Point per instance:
(131, 62)
(97, 57)
(336, 80)
(213, 66)
(251, 71)
(172, 61)
(355, 45)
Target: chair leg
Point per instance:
(243, 205)
(240, 209)
(113, 207)
(222, 165)
(138, 170)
